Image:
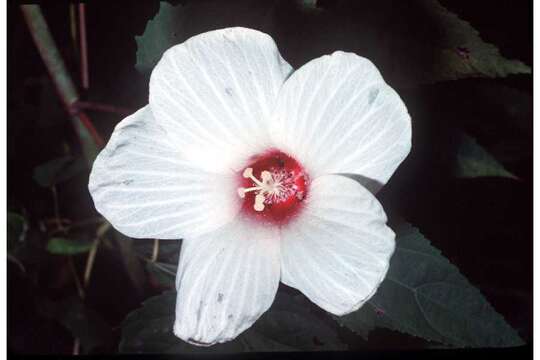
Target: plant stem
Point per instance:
(104, 108)
(80, 289)
(84, 50)
(90, 262)
(16, 262)
(155, 251)
(61, 78)
(73, 25)
(56, 210)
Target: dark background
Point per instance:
(483, 225)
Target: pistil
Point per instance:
(273, 186)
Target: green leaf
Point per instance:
(287, 326)
(174, 24)
(463, 53)
(474, 161)
(63, 246)
(425, 295)
(58, 170)
(159, 34)
(413, 43)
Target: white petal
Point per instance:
(216, 92)
(337, 115)
(143, 186)
(337, 251)
(226, 280)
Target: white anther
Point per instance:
(241, 192)
(248, 173)
(259, 202)
(266, 177)
(267, 188)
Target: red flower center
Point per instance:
(273, 187)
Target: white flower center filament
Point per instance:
(270, 188)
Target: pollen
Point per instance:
(273, 186)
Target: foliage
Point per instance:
(474, 161)
(414, 43)
(63, 246)
(425, 295)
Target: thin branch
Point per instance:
(56, 210)
(101, 230)
(61, 78)
(16, 262)
(155, 251)
(164, 269)
(73, 25)
(104, 108)
(85, 120)
(90, 262)
(157, 264)
(80, 289)
(84, 49)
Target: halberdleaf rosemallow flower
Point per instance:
(243, 158)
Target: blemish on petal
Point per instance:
(196, 342)
(220, 297)
(372, 96)
(229, 91)
(199, 311)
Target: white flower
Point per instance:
(244, 159)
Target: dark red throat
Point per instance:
(284, 191)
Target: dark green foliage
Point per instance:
(425, 295)
(412, 43)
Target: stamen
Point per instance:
(259, 202)
(269, 187)
(266, 176)
(242, 191)
(248, 174)
(273, 186)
